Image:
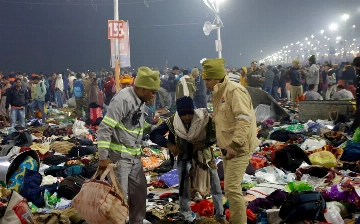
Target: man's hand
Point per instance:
(104, 163)
(173, 149)
(231, 153)
(199, 146)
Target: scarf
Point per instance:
(197, 130)
(184, 84)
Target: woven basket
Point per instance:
(99, 202)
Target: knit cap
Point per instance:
(147, 79)
(184, 106)
(214, 68)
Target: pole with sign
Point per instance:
(115, 32)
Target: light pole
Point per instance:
(345, 17)
(332, 27)
(214, 5)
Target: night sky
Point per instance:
(51, 35)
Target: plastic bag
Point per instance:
(298, 186)
(324, 158)
(79, 128)
(311, 144)
(262, 112)
(170, 178)
(356, 137)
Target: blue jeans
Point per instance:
(275, 93)
(59, 98)
(17, 115)
(215, 189)
(267, 89)
(38, 104)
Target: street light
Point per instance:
(213, 5)
(322, 31)
(333, 26)
(345, 17)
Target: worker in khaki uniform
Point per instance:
(120, 138)
(235, 124)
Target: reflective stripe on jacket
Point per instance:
(116, 131)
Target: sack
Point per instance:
(78, 89)
(70, 187)
(305, 205)
(99, 202)
(290, 158)
(22, 138)
(82, 150)
(51, 218)
(17, 211)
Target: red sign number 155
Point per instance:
(115, 29)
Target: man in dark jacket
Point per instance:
(66, 85)
(109, 88)
(255, 76)
(18, 98)
(295, 81)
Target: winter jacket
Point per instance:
(66, 83)
(94, 93)
(17, 98)
(234, 118)
(312, 95)
(116, 131)
(171, 83)
(108, 87)
(40, 91)
(276, 81)
(295, 77)
(269, 79)
(254, 76)
(343, 95)
(349, 73)
(234, 77)
(312, 75)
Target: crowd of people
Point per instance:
(183, 94)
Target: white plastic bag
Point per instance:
(262, 112)
(79, 129)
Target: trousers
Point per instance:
(215, 190)
(330, 90)
(81, 104)
(17, 115)
(38, 104)
(130, 174)
(234, 171)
